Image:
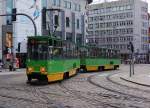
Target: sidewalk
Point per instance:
(6, 71)
(141, 77)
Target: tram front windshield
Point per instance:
(37, 51)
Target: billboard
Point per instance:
(23, 27)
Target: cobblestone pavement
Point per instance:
(89, 90)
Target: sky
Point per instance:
(115, 0)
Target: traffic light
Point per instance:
(44, 18)
(130, 47)
(89, 1)
(14, 11)
(19, 45)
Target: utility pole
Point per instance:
(13, 15)
(22, 14)
(131, 49)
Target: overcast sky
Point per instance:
(115, 0)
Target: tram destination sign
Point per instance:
(38, 41)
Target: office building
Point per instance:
(115, 24)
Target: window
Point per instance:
(58, 3)
(9, 6)
(97, 25)
(90, 19)
(129, 14)
(90, 33)
(75, 6)
(96, 18)
(108, 9)
(144, 9)
(78, 24)
(90, 26)
(129, 30)
(37, 51)
(67, 22)
(56, 20)
(144, 32)
(145, 24)
(128, 7)
(78, 8)
(67, 4)
(96, 33)
(44, 3)
(121, 8)
(54, 2)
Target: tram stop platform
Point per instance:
(141, 76)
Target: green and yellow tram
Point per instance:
(94, 58)
(51, 59)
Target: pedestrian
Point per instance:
(1, 65)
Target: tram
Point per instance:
(94, 58)
(51, 59)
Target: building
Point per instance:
(115, 24)
(67, 24)
(2, 22)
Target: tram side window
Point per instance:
(97, 52)
(117, 54)
(77, 54)
(50, 42)
(55, 42)
(94, 52)
(100, 53)
(104, 53)
(114, 54)
(34, 52)
(42, 52)
(110, 54)
(107, 53)
(37, 52)
(57, 52)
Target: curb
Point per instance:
(134, 82)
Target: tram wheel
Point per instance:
(29, 79)
(115, 67)
(66, 75)
(100, 68)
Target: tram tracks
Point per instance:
(92, 98)
(39, 97)
(99, 97)
(125, 96)
(20, 98)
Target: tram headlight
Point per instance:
(42, 69)
(30, 69)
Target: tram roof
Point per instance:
(94, 46)
(44, 37)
